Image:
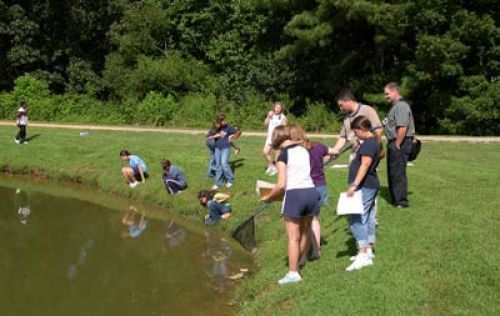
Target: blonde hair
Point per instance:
(297, 134)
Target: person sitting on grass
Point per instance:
(217, 205)
(137, 171)
(137, 224)
(173, 178)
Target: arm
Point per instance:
(400, 135)
(141, 172)
(268, 118)
(280, 184)
(214, 136)
(341, 142)
(366, 161)
(223, 197)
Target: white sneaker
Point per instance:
(16, 141)
(361, 261)
(215, 187)
(290, 277)
(133, 184)
(371, 255)
(228, 185)
(25, 142)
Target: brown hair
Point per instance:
(165, 164)
(363, 123)
(124, 152)
(276, 103)
(280, 134)
(209, 194)
(393, 86)
(345, 95)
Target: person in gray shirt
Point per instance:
(399, 131)
(352, 109)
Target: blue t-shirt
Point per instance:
(223, 141)
(369, 147)
(176, 174)
(136, 161)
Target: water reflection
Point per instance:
(22, 206)
(174, 233)
(135, 223)
(217, 254)
(82, 258)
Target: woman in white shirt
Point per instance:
(274, 118)
(300, 203)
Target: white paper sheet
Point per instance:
(350, 205)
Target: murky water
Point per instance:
(64, 256)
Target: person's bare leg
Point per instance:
(128, 174)
(293, 232)
(305, 241)
(266, 152)
(315, 236)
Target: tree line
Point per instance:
(181, 61)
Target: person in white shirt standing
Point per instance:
(300, 203)
(274, 118)
(22, 122)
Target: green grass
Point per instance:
(437, 257)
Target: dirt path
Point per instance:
(494, 139)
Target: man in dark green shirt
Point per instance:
(399, 131)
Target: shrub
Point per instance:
(156, 109)
(318, 119)
(196, 111)
(27, 88)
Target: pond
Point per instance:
(68, 256)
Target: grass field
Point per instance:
(437, 257)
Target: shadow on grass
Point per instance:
(351, 248)
(32, 137)
(386, 194)
(235, 164)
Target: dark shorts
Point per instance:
(300, 202)
(138, 176)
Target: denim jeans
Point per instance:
(222, 167)
(363, 225)
(211, 164)
(216, 210)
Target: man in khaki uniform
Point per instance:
(348, 104)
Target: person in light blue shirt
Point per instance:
(137, 170)
(173, 178)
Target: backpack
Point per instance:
(415, 149)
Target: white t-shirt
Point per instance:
(298, 167)
(275, 121)
(22, 118)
